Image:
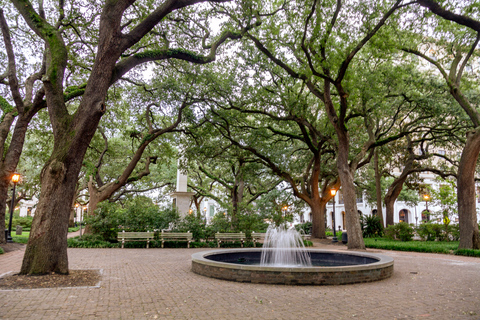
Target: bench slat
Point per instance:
(135, 236)
(230, 237)
(177, 236)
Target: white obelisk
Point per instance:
(181, 197)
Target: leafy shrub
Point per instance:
(90, 241)
(306, 227)
(25, 222)
(307, 243)
(454, 232)
(141, 214)
(193, 224)
(330, 234)
(372, 226)
(105, 221)
(402, 231)
(1, 251)
(220, 223)
(429, 231)
(248, 221)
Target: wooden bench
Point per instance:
(306, 236)
(135, 236)
(257, 237)
(176, 236)
(222, 237)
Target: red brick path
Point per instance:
(158, 284)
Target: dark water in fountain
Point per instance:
(319, 259)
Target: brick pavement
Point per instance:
(158, 284)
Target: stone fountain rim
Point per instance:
(383, 261)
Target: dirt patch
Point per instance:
(75, 278)
(12, 246)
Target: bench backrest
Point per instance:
(176, 235)
(135, 235)
(239, 235)
(258, 236)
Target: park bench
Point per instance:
(257, 237)
(176, 236)
(306, 236)
(135, 236)
(223, 237)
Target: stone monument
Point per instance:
(181, 197)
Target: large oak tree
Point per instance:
(123, 37)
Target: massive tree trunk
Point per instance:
(378, 188)
(345, 171)
(319, 211)
(467, 213)
(47, 246)
(354, 230)
(391, 196)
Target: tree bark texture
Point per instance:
(10, 162)
(378, 187)
(319, 211)
(466, 190)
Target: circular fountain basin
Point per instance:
(328, 267)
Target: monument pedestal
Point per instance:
(181, 201)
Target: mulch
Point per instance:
(8, 247)
(75, 278)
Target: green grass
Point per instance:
(25, 234)
(417, 246)
(468, 252)
(21, 239)
(446, 247)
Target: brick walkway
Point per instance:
(158, 284)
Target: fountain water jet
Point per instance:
(284, 248)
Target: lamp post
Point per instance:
(426, 197)
(76, 214)
(81, 219)
(15, 179)
(333, 192)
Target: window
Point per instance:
(403, 215)
(360, 197)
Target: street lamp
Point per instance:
(82, 214)
(15, 179)
(333, 192)
(426, 197)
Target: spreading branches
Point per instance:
(434, 7)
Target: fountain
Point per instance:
(287, 249)
(283, 259)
